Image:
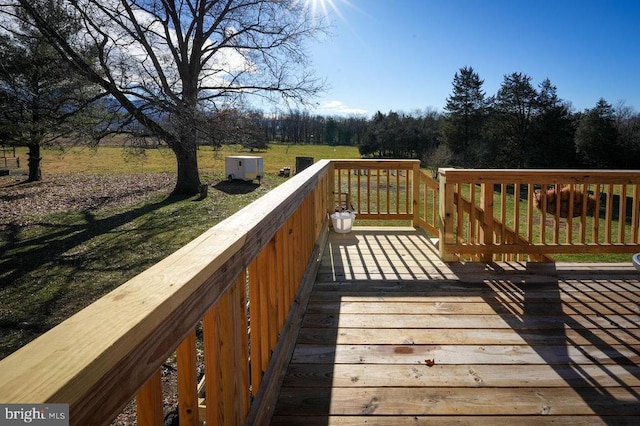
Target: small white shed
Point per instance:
(244, 167)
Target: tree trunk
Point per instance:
(188, 181)
(35, 172)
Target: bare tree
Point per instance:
(165, 62)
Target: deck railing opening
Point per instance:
(386, 192)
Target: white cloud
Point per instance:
(339, 108)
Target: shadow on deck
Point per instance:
(393, 335)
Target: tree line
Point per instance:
(526, 126)
(521, 126)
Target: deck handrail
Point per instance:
(98, 359)
(579, 211)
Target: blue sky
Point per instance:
(401, 55)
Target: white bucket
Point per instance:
(636, 261)
(343, 221)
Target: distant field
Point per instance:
(115, 159)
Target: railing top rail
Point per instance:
(99, 357)
(374, 164)
(550, 176)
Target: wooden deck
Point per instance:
(392, 335)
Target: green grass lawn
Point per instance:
(114, 159)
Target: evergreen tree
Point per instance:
(374, 135)
(465, 114)
(41, 99)
(597, 136)
(553, 131)
(509, 135)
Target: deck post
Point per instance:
(445, 222)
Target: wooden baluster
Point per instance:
(187, 381)
(263, 264)
(503, 213)
(423, 203)
(309, 226)
(530, 194)
(228, 366)
(425, 180)
(149, 402)
(272, 287)
(416, 182)
(212, 361)
(486, 231)
(622, 214)
(436, 206)
(397, 190)
(225, 359)
(242, 344)
(583, 216)
(369, 191)
(460, 228)
(473, 214)
(407, 192)
(388, 209)
(570, 209)
(530, 220)
(635, 215)
(349, 190)
(516, 215)
(278, 266)
(378, 191)
(556, 228)
(338, 190)
(289, 264)
(358, 195)
(595, 232)
(608, 215)
(331, 188)
(255, 326)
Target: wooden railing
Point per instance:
(529, 214)
(383, 190)
(235, 294)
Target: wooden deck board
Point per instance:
(510, 342)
